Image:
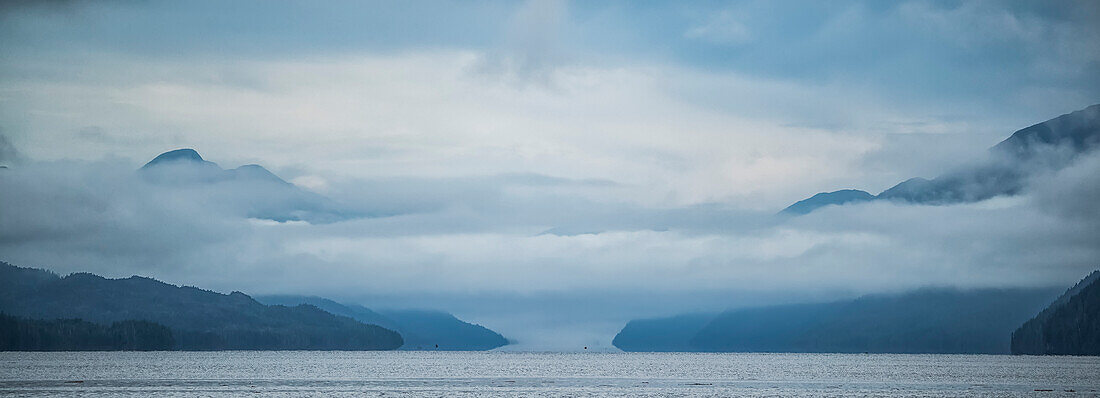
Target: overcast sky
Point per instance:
(534, 162)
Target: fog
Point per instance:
(550, 169)
(548, 262)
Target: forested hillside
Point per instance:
(1070, 326)
(198, 319)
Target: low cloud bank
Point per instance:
(469, 245)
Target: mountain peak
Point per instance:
(255, 172)
(841, 197)
(184, 154)
(1052, 144)
(1078, 130)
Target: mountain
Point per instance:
(1069, 326)
(921, 321)
(198, 319)
(187, 155)
(438, 330)
(182, 166)
(357, 312)
(823, 199)
(202, 170)
(670, 334)
(1076, 131)
(1050, 145)
(427, 330)
(972, 184)
(19, 334)
(251, 189)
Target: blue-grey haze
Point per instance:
(547, 169)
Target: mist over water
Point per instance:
(551, 169)
(557, 291)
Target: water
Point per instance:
(403, 373)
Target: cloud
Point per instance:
(8, 153)
(364, 116)
(1072, 193)
(587, 162)
(533, 42)
(471, 243)
(721, 28)
(622, 95)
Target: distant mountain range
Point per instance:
(1049, 145)
(1069, 326)
(421, 329)
(923, 321)
(198, 319)
(257, 192)
(40, 310)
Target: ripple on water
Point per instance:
(421, 373)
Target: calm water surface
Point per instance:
(311, 373)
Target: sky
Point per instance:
(549, 169)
